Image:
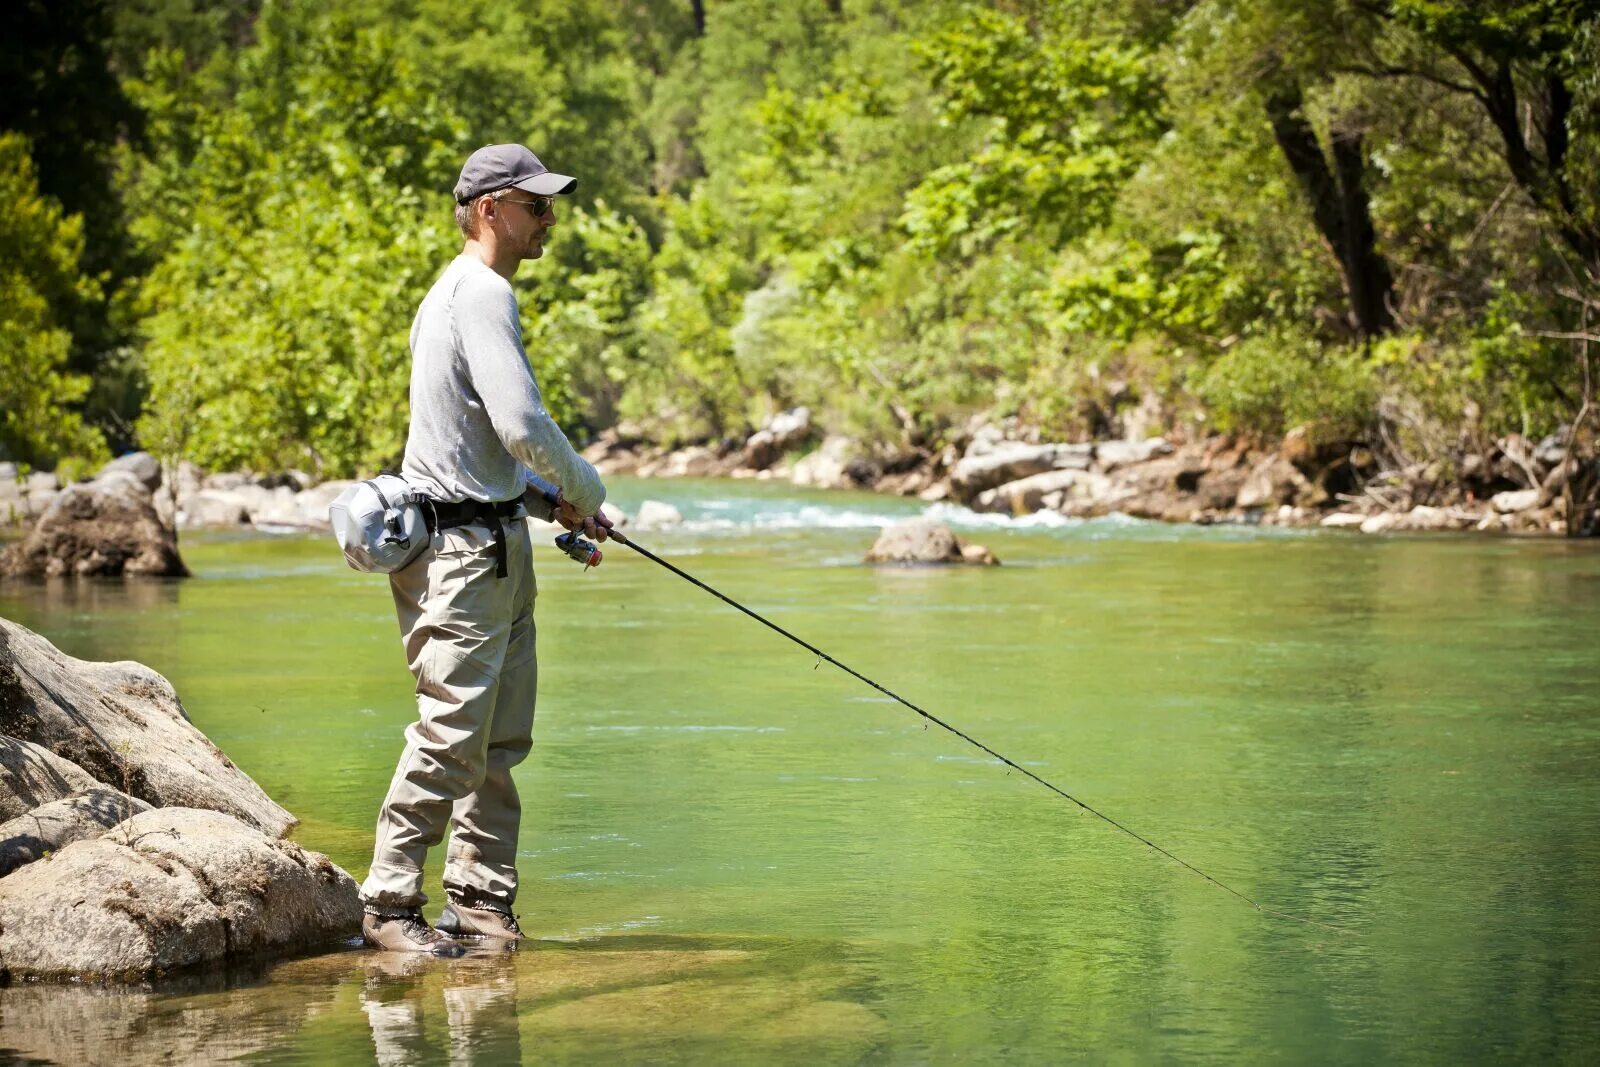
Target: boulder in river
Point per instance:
(107, 526)
(168, 889)
(925, 541)
(123, 724)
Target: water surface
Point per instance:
(731, 853)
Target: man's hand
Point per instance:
(595, 527)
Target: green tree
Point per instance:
(40, 249)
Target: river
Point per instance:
(731, 852)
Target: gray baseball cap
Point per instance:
(501, 166)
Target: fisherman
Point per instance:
(484, 450)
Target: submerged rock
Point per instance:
(168, 889)
(925, 541)
(123, 724)
(107, 526)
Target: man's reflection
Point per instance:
(401, 995)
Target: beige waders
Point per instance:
(469, 638)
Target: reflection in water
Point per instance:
(679, 999)
(479, 998)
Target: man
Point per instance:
(479, 432)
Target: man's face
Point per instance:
(524, 220)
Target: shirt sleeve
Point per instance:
(485, 315)
(538, 504)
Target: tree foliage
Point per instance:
(1098, 216)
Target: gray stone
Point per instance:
(226, 480)
(271, 507)
(32, 776)
(1031, 493)
(213, 507)
(658, 515)
(1109, 455)
(696, 461)
(784, 431)
(1343, 520)
(924, 541)
(828, 466)
(312, 504)
(986, 470)
(618, 517)
(1552, 451)
(42, 482)
(142, 465)
(122, 723)
(165, 890)
(53, 826)
(104, 527)
(1271, 482)
(1514, 500)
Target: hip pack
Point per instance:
(379, 524)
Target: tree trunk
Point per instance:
(1340, 207)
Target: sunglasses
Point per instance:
(539, 205)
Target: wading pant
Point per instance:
(469, 639)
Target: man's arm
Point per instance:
(538, 495)
(485, 314)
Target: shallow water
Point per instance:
(730, 854)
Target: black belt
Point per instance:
(442, 515)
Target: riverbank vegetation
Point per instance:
(1374, 219)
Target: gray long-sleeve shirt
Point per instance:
(479, 429)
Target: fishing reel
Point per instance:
(580, 549)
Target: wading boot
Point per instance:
(458, 920)
(406, 932)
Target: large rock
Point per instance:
(1515, 500)
(784, 431)
(169, 889)
(122, 723)
(313, 503)
(31, 775)
(988, 469)
(142, 465)
(107, 526)
(925, 541)
(1109, 455)
(828, 467)
(213, 507)
(1040, 490)
(1271, 482)
(53, 826)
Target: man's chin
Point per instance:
(535, 250)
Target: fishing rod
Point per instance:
(589, 554)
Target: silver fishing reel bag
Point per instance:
(379, 524)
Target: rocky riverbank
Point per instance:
(1511, 485)
(131, 847)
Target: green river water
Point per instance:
(729, 855)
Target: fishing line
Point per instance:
(621, 538)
